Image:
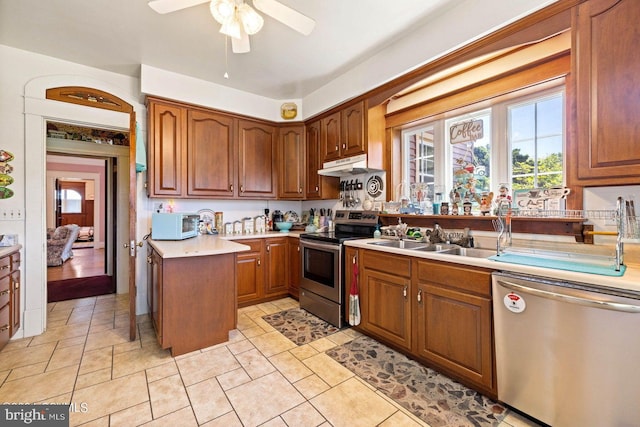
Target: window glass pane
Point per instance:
(71, 201)
(469, 142)
(419, 163)
(536, 136)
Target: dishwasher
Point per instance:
(567, 354)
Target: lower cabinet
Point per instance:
(192, 300)
(436, 312)
(385, 304)
(295, 267)
(9, 295)
(263, 272)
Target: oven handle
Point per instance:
(324, 246)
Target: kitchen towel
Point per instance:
(354, 298)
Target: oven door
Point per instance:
(322, 269)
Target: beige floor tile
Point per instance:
(66, 356)
(167, 395)
(328, 369)
(26, 356)
(303, 352)
(62, 333)
(53, 324)
(133, 416)
(311, 386)
(255, 363)
(99, 327)
(5, 374)
(17, 344)
(352, 404)
(268, 307)
(162, 371)
(275, 394)
(80, 317)
(303, 415)
(227, 420)
(71, 304)
(138, 360)
(107, 338)
(513, 419)
(127, 346)
(292, 368)
(26, 371)
(122, 320)
(72, 341)
(39, 387)
(93, 378)
(323, 344)
(203, 366)
(240, 346)
(100, 422)
(400, 419)
(264, 325)
(340, 338)
(272, 343)
(274, 422)
(245, 322)
(233, 378)
(109, 397)
(97, 359)
(62, 398)
(253, 332)
(208, 400)
(59, 315)
(182, 418)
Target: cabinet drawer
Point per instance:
(4, 326)
(256, 245)
(5, 283)
(381, 261)
(474, 280)
(5, 266)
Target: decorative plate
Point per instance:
(5, 193)
(207, 215)
(5, 156)
(5, 180)
(291, 216)
(375, 186)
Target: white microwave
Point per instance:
(174, 226)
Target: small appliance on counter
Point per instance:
(174, 225)
(277, 217)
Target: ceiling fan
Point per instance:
(239, 20)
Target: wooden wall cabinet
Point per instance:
(193, 311)
(607, 89)
(317, 186)
(200, 153)
(263, 271)
(291, 162)
(343, 133)
(9, 296)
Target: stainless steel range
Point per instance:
(322, 283)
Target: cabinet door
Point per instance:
(210, 154)
(257, 152)
(166, 149)
(295, 266)
(317, 187)
(454, 331)
(156, 290)
(250, 272)
(385, 306)
(607, 90)
(15, 301)
(353, 130)
(291, 166)
(330, 137)
(277, 266)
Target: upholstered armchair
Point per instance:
(59, 243)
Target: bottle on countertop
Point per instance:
(377, 234)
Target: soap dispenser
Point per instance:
(376, 234)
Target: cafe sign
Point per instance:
(466, 131)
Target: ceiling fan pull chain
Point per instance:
(226, 57)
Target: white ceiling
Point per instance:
(119, 35)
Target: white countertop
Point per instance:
(206, 244)
(6, 250)
(629, 281)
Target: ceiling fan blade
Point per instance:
(168, 6)
(242, 44)
(289, 17)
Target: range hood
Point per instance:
(355, 165)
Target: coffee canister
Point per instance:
(219, 223)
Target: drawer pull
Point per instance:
(5, 292)
(4, 328)
(4, 267)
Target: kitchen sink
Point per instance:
(470, 252)
(402, 244)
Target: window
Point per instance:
(71, 201)
(518, 140)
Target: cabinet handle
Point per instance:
(420, 295)
(242, 188)
(268, 248)
(258, 262)
(231, 187)
(4, 267)
(149, 260)
(5, 292)
(4, 328)
(337, 147)
(404, 291)
(300, 190)
(344, 145)
(317, 188)
(17, 286)
(298, 247)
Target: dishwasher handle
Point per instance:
(607, 305)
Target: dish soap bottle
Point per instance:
(376, 234)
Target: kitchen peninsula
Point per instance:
(192, 291)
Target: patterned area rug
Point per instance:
(299, 325)
(431, 396)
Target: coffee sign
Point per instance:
(466, 131)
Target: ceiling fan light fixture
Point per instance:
(222, 10)
(231, 27)
(251, 20)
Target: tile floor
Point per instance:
(257, 378)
